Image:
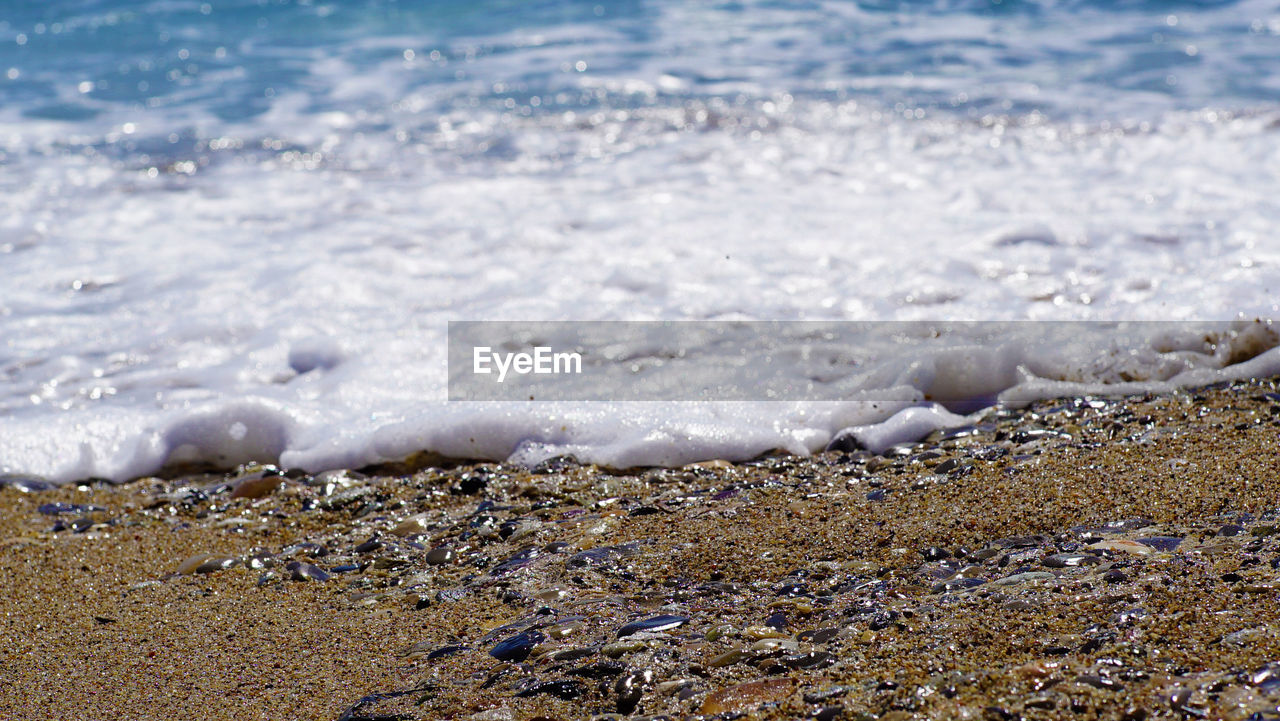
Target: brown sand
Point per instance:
(97, 626)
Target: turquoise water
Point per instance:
(177, 63)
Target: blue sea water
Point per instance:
(235, 230)
(172, 63)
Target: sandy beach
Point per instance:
(1073, 560)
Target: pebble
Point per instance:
(1122, 546)
(411, 526)
(744, 695)
(1027, 577)
(257, 487)
(567, 690)
(618, 649)
(759, 632)
(192, 563)
(1068, 560)
(1161, 543)
(53, 509)
(302, 571)
(440, 556)
(630, 689)
(664, 622)
(517, 647)
(216, 563)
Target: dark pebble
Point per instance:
(601, 556)
(846, 443)
(827, 694)
(300, 571)
(440, 556)
(821, 635)
(25, 484)
(656, 623)
(810, 660)
(956, 585)
(1161, 543)
(1230, 530)
(884, 619)
(469, 484)
(934, 553)
(369, 546)
(1064, 560)
(518, 647)
(792, 589)
(53, 509)
(567, 690)
(1114, 576)
(445, 651)
(630, 688)
(216, 564)
(598, 670)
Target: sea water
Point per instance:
(237, 229)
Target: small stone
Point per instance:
(1069, 560)
(411, 526)
(772, 645)
(654, 624)
(216, 563)
(517, 647)
(630, 688)
(810, 660)
(257, 486)
(1121, 546)
(561, 630)
(622, 648)
(369, 546)
(303, 572)
(821, 635)
(719, 632)
(53, 509)
(598, 670)
(759, 632)
(1027, 577)
(567, 690)
(934, 553)
(440, 556)
(745, 695)
(1114, 576)
(1161, 543)
(728, 658)
(192, 563)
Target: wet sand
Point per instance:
(1073, 560)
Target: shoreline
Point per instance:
(971, 576)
